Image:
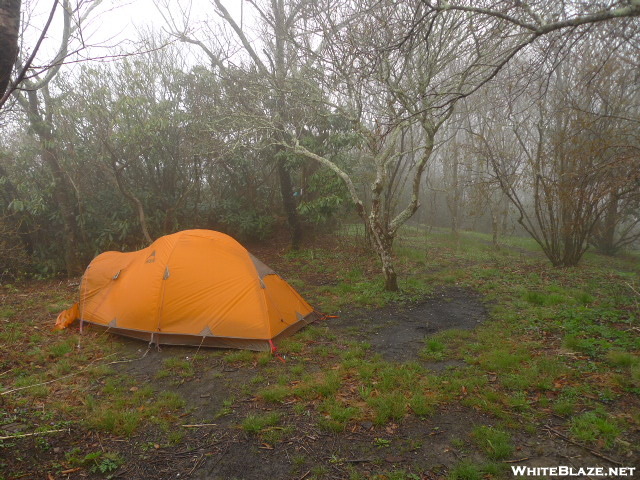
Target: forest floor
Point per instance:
(487, 359)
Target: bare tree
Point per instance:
(568, 149)
(394, 87)
(390, 68)
(526, 22)
(619, 225)
(423, 70)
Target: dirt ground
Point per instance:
(224, 451)
(220, 449)
(398, 333)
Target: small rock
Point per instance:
(366, 425)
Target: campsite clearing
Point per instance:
(484, 361)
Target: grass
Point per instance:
(274, 394)
(467, 470)
(434, 349)
(495, 443)
(176, 367)
(595, 426)
(388, 406)
(559, 344)
(96, 462)
(422, 405)
(257, 423)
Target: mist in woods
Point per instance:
(297, 118)
(437, 213)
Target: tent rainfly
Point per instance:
(195, 287)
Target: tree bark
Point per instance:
(135, 201)
(383, 244)
(495, 229)
(286, 191)
(606, 244)
(454, 200)
(279, 78)
(9, 29)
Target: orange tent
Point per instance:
(196, 287)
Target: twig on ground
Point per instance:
(34, 434)
(591, 450)
(632, 288)
(196, 464)
(517, 461)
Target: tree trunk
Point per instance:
(286, 191)
(390, 277)
(606, 242)
(279, 76)
(454, 204)
(505, 215)
(383, 243)
(9, 29)
(135, 202)
(495, 229)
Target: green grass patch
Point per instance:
(423, 405)
(111, 419)
(169, 400)
(502, 360)
(337, 414)
(388, 406)
(595, 426)
(495, 443)
(274, 393)
(176, 366)
(239, 356)
(96, 462)
(468, 470)
(63, 348)
(434, 349)
(257, 423)
(7, 312)
(327, 383)
(622, 359)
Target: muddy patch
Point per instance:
(398, 333)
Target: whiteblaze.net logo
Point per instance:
(564, 471)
